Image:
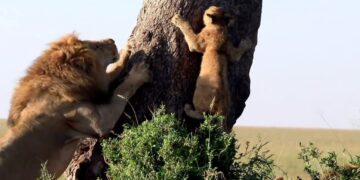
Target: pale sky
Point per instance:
(306, 66)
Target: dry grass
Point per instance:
(284, 144)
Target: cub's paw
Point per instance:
(140, 72)
(177, 20)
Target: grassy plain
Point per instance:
(284, 143)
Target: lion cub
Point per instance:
(212, 92)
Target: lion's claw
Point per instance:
(141, 72)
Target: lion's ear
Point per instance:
(58, 56)
(69, 39)
(82, 63)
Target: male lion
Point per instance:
(53, 106)
(212, 92)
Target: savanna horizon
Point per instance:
(3, 122)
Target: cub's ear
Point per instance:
(219, 19)
(211, 16)
(229, 20)
(214, 18)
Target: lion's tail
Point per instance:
(192, 113)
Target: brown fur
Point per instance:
(212, 93)
(53, 106)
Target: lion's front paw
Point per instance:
(112, 68)
(140, 72)
(177, 20)
(126, 52)
(129, 46)
(123, 58)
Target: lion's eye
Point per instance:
(97, 46)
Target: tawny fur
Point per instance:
(212, 94)
(53, 106)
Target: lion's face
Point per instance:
(85, 57)
(104, 51)
(70, 70)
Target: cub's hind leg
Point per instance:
(192, 112)
(202, 104)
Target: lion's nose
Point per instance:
(109, 41)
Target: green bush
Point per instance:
(256, 163)
(320, 166)
(163, 149)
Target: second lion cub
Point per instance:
(212, 94)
